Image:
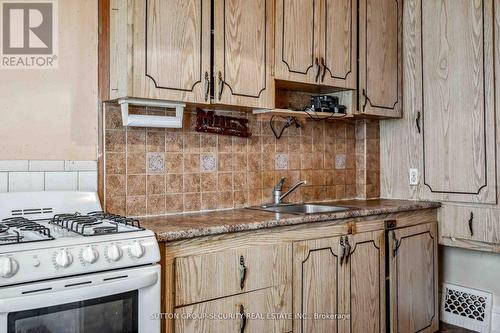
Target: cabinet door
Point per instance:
(296, 40)
(365, 283)
(170, 49)
(317, 280)
(227, 313)
(338, 43)
(380, 57)
(458, 109)
(243, 53)
(413, 279)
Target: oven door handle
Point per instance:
(74, 294)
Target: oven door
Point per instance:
(113, 302)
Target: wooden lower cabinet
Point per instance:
(364, 275)
(338, 284)
(413, 279)
(366, 283)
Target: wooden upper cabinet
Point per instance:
(296, 42)
(414, 305)
(338, 43)
(380, 57)
(243, 53)
(458, 111)
(168, 49)
(316, 42)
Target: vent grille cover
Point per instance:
(31, 211)
(465, 307)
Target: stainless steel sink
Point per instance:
(301, 209)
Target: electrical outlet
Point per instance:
(413, 175)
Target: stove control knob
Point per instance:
(8, 267)
(64, 259)
(137, 250)
(114, 252)
(90, 255)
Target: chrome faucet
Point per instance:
(278, 197)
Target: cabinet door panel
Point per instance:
(380, 54)
(338, 43)
(297, 31)
(316, 282)
(458, 102)
(242, 46)
(367, 282)
(413, 278)
(171, 49)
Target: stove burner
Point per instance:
(11, 229)
(12, 238)
(96, 223)
(3, 228)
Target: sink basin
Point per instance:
(302, 209)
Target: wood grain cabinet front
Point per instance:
(162, 49)
(219, 274)
(338, 284)
(413, 265)
(316, 42)
(380, 58)
(245, 313)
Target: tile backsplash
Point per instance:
(161, 171)
(50, 175)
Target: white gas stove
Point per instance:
(60, 255)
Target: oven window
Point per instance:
(111, 314)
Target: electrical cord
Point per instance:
(289, 122)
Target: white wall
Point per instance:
(52, 114)
(479, 270)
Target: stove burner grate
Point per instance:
(93, 224)
(10, 229)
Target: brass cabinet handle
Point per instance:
(418, 122)
(324, 69)
(207, 86)
(348, 249)
(243, 272)
(221, 85)
(471, 221)
(243, 322)
(318, 71)
(342, 256)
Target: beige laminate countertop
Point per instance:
(192, 225)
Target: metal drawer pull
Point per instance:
(342, 256)
(243, 322)
(471, 221)
(348, 249)
(207, 86)
(324, 69)
(418, 122)
(243, 272)
(318, 72)
(395, 245)
(221, 85)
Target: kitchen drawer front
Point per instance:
(204, 277)
(226, 313)
(470, 223)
